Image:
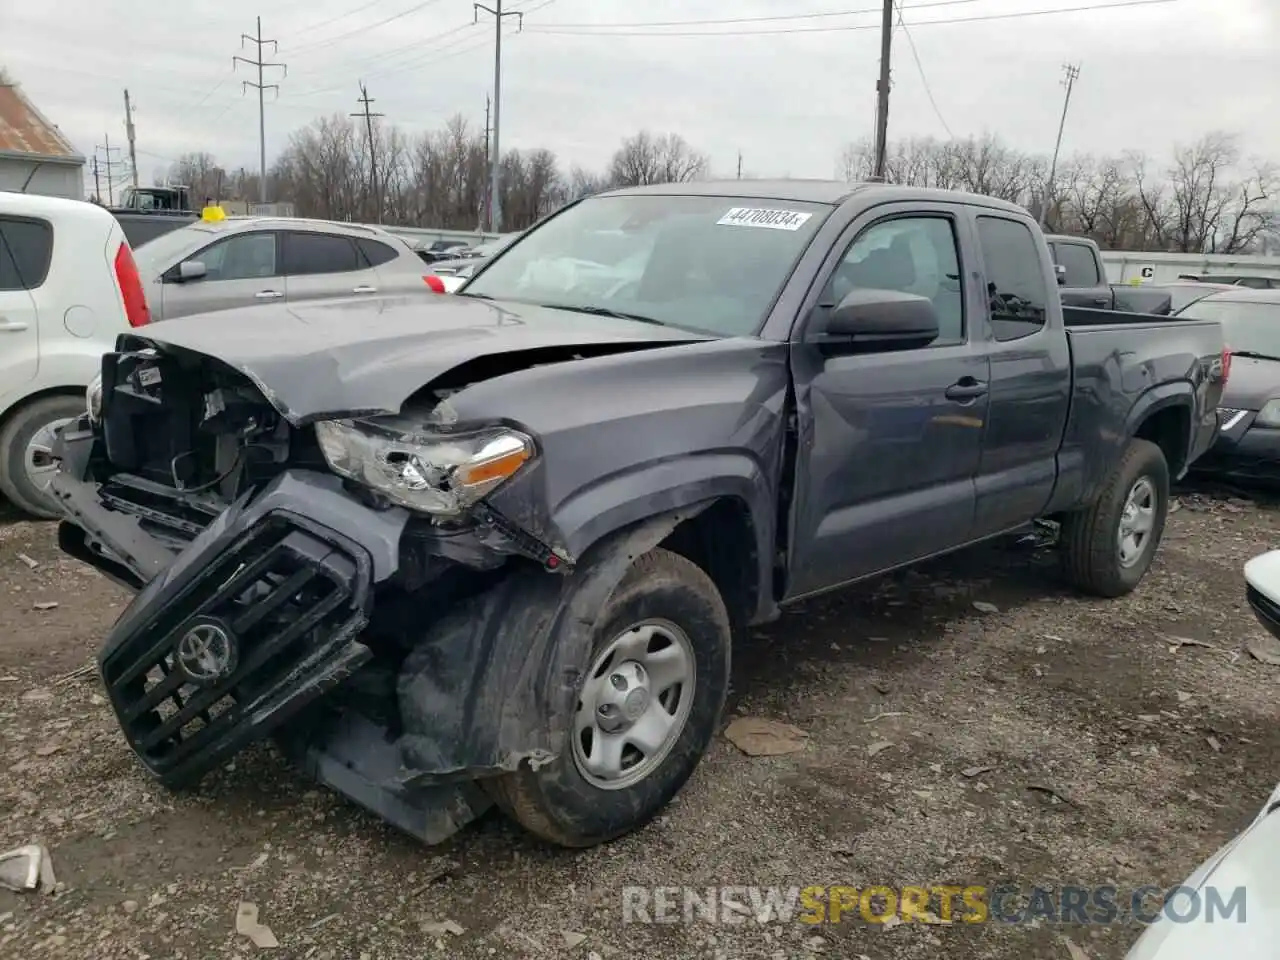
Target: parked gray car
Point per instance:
(243, 261)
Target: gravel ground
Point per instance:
(1156, 751)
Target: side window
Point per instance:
(1016, 288)
(26, 249)
(312, 253)
(1082, 268)
(374, 254)
(911, 255)
(248, 256)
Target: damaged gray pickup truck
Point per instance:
(455, 550)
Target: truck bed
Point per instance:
(1134, 363)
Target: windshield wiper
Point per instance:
(605, 312)
(1254, 354)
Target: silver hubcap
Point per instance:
(1136, 522)
(633, 705)
(39, 461)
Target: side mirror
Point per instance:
(877, 320)
(191, 270)
(1061, 273)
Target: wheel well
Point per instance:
(722, 542)
(1169, 428)
(39, 395)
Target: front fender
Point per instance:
(494, 684)
(592, 513)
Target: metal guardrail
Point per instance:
(420, 233)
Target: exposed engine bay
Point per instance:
(247, 537)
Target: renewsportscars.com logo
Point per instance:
(935, 903)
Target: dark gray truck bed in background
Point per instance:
(1082, 279)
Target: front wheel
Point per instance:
(1108, 547)
(647, 708)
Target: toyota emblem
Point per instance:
(206, 653)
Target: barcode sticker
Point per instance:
(767, 219)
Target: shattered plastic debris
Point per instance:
(757, 737)
(247, 925)
(26, 869)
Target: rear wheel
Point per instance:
(1108, 547)
(647, 708)
(26, 452)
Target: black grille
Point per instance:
(292, 601)
(1266, 610)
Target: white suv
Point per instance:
(68, 287)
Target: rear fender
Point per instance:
(1166, 396)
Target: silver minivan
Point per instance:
(243, 261)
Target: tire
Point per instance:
(22, 426)
(1092, 553)
(559, 801)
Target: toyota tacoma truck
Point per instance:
(495, 547)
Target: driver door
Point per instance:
(889, 442)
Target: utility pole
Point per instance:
(1070, 74)
(882, 93)
(107, 149)
(97, 184)
(373, 156)
(261, 87)
(739, 164)
(488, 131)
(128, 129)
(495, 157)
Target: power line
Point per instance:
(318, 44)
(261, 88)
(547, 27)
(847, 28)
(928, 91)
(341, 16)
(358, 63)
(373, 153)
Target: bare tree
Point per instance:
(648, 158)
(201, 173)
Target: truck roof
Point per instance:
(831, 192)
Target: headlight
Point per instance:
(440, 474)
(93, 399)
(1269, 415)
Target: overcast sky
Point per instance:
(787, 97)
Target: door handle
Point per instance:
(1102, 301)
(966, 389)
(268, 295)
(12, 326)
(364, 289)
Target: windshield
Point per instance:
(490, 247)
(159, 254)
(1247, 326)
(713, 264)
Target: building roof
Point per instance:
(26, 132)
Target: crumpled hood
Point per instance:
(370, 355)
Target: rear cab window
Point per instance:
(1080, 264)
(1017, 293)
(374, 253)
(26, 251)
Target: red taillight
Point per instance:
(136, 310)
(435, 283)
(1226, 365)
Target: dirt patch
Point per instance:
(1056, 740)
